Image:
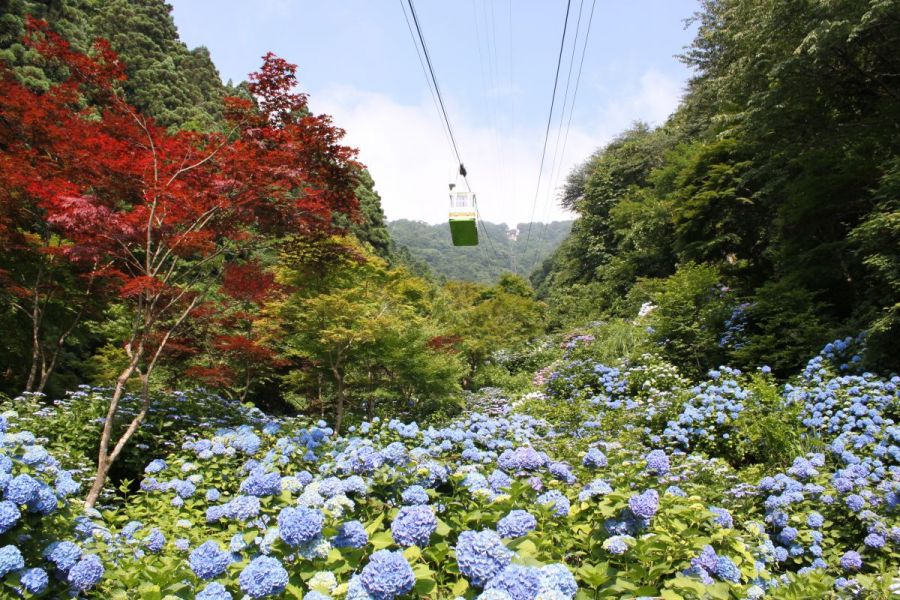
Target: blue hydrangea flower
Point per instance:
(356, 591)
(706, 560)
(499, 481)
(558, 578)
(242, 508)
(674, 490)
(521, 583)
(726, 570)
(183, 488)
(595, 459)
(387, 575)
(414, 525)
(617, 544)
(130, 529)
(657, 463)
(722, 517)
(874, 540)
(214, 591)
(414, 494)
(562, 471)
(155, 466)
(44, 501)
(35, 581)
(644, 505)
(9, 515)
(66, 484)
(264, 576)
(63, 555)
(788, 535)
(208, 560)
(298, 526)
(558, 502)
(480, 555)
(855, 502)
(523, 458)
(35, 455)
(155, 541)
(86, 573)
(515, 524)
(22, 489)
(10, 560)
(351, 534)
(851, 561)
(815, 520)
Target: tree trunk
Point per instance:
(104, 460)
(339, 416)
(319, 395)
(370, 402)
(35, 331)
(103, 464)
(35, 359)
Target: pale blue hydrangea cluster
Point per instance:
(387, 575)
(516, 524)
(414, 525)
(264, 576)
(708, 417)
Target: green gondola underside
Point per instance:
(464, 232)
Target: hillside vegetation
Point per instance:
(767, 205)
(500, 250)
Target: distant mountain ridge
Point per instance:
(501, 249)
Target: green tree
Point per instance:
(359, 328)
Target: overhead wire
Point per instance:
(443, 107)
(562, 45)
(437, 88)
(558, 166)
(493, 69)
(425, 73)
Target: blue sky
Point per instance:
(495, 61)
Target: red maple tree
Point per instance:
(158, 214)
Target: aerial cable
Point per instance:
(562, 44)
(437, 88)
(425, 73)
(484, 228)
(574, 97)
(443, 109)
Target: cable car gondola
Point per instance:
(463, 223)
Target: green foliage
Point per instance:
(776, 170)
(71, 425)
(768, 431)
(371, 229)
(615, 341)
(783, 324)
(363, 330)
(877, 239)
(175, 85)
(690, 309)
(487, 319)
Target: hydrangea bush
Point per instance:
(628, 500)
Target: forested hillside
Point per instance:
(501, 249)
(767, 205)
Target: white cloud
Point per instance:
(409, 156)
